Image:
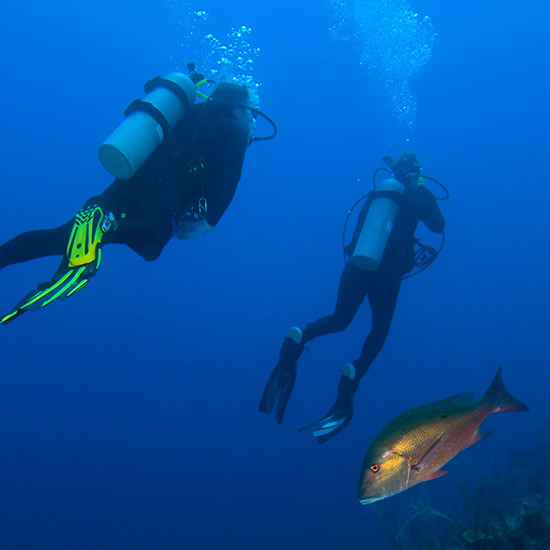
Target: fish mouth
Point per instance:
(370, 500)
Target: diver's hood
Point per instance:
(229, 92)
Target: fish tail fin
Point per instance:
(501, 399)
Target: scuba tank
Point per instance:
(377, 226)
(147, 122)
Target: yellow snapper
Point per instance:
(415, 445)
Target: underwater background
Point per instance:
(128, 413)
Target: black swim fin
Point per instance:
(341, 413)
(330, 424)
(277, 391)
(281, 382)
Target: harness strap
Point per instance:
(150, 109)
(160, 82)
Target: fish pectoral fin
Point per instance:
(478, 436)
(429, 452)
(438, 473)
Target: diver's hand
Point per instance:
(189, 229)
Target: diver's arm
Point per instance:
(428, 210)
(224, 169)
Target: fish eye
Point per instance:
(374, 468)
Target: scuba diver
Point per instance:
(380, 253)
(177, 165)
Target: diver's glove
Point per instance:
(81, 263)
(192, 229)
(341, 413)
(280, 383)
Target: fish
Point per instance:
(415, 445)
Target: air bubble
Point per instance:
(394, 41)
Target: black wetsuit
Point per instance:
(201, 157)
(381, 285)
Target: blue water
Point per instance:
(128, 413)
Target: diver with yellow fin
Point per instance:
(380, 254)
(177, 164)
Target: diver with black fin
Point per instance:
(177, 164)
(380, 254)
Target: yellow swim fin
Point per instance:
(89, 227)
(66, 281)
(83, 258)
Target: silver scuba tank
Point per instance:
(146, 124)
(377, 227)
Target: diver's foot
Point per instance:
(291, 349)
(295, 334)
(347, 387)
(339, 416)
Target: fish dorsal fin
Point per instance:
(448, 406)
(460, 399)
(451, 405)
(412, 418)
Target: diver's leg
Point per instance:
(382, 292)
(351, 292)
(78, 242)
(354, 283)
(144, 215)
(383, 299)
(35, 244)
(53, 242)
(146, 239)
